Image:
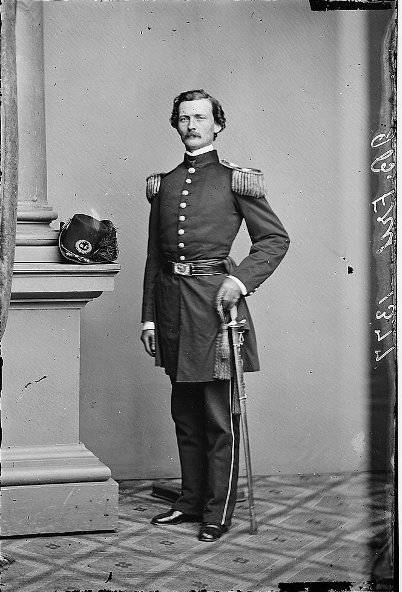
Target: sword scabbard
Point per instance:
(237, 329)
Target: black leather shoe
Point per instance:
(211, 532)
(173, 517)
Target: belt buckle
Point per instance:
(182, 268)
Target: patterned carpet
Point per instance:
(315, 528)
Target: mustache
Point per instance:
(192, 135)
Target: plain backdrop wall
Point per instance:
(293, 84)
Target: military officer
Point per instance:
(196, 212)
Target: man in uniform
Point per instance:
(196, 212)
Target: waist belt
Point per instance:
(201, 267)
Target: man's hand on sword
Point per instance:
(228, 294)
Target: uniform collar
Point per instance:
(208, 148)
(201, 159)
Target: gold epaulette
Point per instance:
(153, 185)
(246, 181)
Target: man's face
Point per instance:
(196, 124)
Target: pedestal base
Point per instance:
(58, 508)
(50, 482)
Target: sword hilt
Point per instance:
(234, 323)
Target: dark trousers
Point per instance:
(208, 440)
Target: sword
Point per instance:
(237, 329)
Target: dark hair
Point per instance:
(194, 95)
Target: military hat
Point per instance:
(84, 239)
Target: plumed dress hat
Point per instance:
(84, 239)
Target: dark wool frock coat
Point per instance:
(195, 215)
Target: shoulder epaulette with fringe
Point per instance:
(153, 185)
(246, 181)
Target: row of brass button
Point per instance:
(183, 205)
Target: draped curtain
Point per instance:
(9, 156)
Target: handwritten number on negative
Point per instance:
(383, 315)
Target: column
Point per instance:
(34, 212)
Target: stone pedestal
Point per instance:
(50, 483)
